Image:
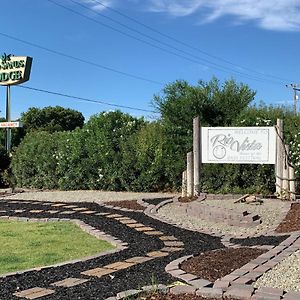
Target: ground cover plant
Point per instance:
(32, 244)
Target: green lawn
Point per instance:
(26, 245)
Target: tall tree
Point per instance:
(180, 102)
(52, 119)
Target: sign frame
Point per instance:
(238, 145)
(14, 69)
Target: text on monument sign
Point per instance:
(238, 145)
(14, 69)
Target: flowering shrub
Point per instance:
(34, 163)
(87, 158)
(115, 151)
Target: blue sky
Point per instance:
(257, 42)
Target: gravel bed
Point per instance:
(101, 288)
(285, 275)
(85, 196)
(213, 265)
(270, 211)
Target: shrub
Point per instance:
(4, 164)
(34, 162)
(143, 164)
(88, 158)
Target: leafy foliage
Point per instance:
(51, 119)
(88, 158)
(115, 151)
(181, 102)
(34, 163)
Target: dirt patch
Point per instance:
(187, 199)
(213, 265)
(292, 220)
(131, 204)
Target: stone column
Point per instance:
(190, 174)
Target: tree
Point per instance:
(51, 119)
(216, 104)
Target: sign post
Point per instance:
(13, 70)
(8, 119)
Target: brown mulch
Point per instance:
(291, 221)
(187, 199)
(213, 265)
(131, 204)
(177, 297)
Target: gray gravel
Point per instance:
(271, 212)
(285, 275)
(84, 196)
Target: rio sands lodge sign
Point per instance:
(238, 145)
(14, 69)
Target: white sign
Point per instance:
(238, 145)
(10, 124)
(14, 69)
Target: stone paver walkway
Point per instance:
(147, 245)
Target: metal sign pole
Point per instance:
(8, 119)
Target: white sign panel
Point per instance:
(10, 124)
(14, 69)
(238, 145)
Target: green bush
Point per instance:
(88, 158)
(34, 162)
(216, 104)
(4, 165)
(115, 151)
(105, 134)
(143, 163)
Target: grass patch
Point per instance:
(25, 245)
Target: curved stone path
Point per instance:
(148, 246)
(151, 246)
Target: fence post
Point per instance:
(285, 173)
(292, 183)
(184, 185)
(197, 154)
(190, 174)
(279, 156)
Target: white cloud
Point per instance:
(176, 8)
(99, 6)
(281, 15)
